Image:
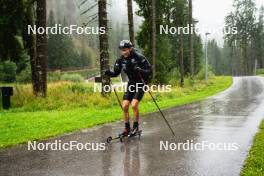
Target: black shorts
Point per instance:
(133, 92)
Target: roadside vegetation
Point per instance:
(254, 165)
(76, 76)
(73, 106)
(260, 72)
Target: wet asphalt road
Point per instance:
(231, 117)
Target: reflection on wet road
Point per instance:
(230, 117)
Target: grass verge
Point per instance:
(38, 119)
(254, 165)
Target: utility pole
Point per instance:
(255, 67)
(206, 55)
(191, 38)
(130, 21)
(103, 42)
(154, 37)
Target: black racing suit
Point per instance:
(137, 67)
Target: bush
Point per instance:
(189, 82)
(201, 73)
(80, 89)
(260, 71)
(1, 73)
(72, 77)
(8, 72)
(174, 77)
(1, 105)
(25, 75)
(54, 76)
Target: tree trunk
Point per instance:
(130, 21)
(103, 42)
(31, 40)
(181, 60)
(154, 38)
(191, 38)
(41, 47)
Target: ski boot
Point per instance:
(126, 131)
(135, 129)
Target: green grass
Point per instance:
(66, 110)
(260, 72)
(254, 165)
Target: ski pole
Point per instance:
(161, 113)
(116, 95)
(158, 106)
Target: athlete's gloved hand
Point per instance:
(108, 73)
(137, 69)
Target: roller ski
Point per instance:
(127, 133)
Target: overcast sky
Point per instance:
(211, 14)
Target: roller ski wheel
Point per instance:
(109, 139)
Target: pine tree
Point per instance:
(103, 39)
(41, 47)
(191, 38)
(130, 21)
(243, 18)
(61, 50)
(31, 42)
(154, 36)
(168, 46)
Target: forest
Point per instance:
(186, 74)
(38, 58)
(242, 53)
